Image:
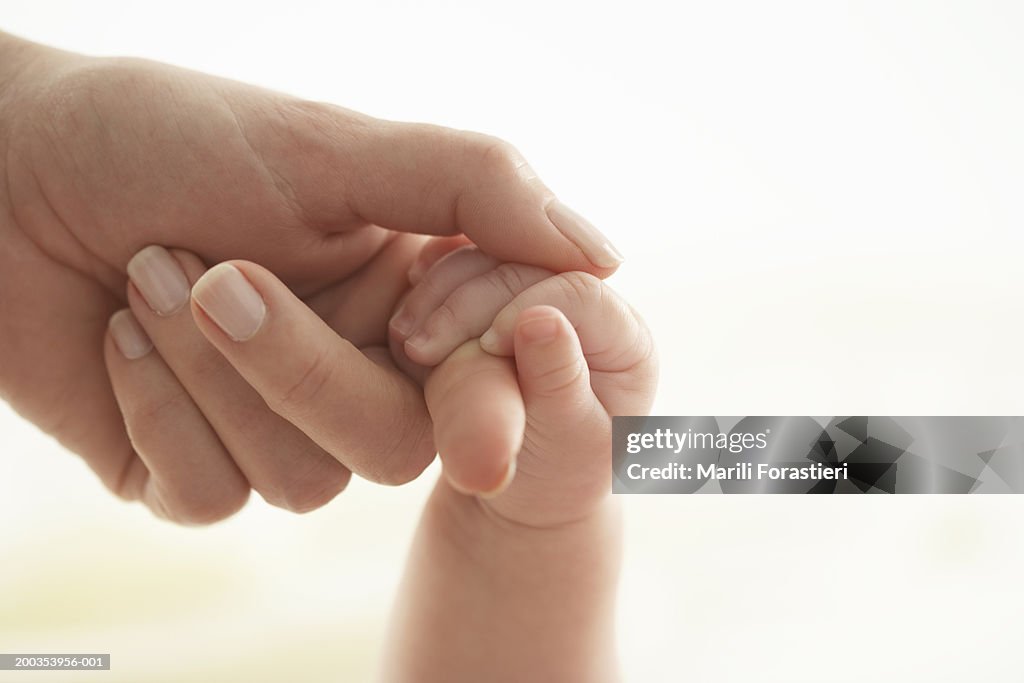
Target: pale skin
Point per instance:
(513, 571)
(101, 157)
(527, 367)
(131, 359)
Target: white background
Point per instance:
(821, 208)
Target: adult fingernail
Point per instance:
(402, 323)
(582, 232)
(160, 279)
(129, 337)
(539, 330)
(231, 301)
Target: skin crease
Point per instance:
(476, 392)
(531, 567)
(80, 211)
(102, 157)
(520, 585)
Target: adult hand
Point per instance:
(101, 157)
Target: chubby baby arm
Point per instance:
(518, 583)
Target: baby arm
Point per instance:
(518, 583)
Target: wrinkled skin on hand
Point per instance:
(105, 156)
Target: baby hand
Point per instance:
(527, 369)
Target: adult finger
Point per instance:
(278, 460)
(433, 180)
(432, 252)
(370, 417)
(191, 476)
(359, 306)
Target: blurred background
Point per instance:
(821, 208)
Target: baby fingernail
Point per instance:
(582, 232)
(489, 340)
(418, 340)
(539, 330)
(129, 337)
(417, 271)
(510, 474)
(160, 279)
(231, 301)
(402, 323)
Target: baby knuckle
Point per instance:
(582, 289)
(426, 291)
(446, 315)
(507, 279)
(452, 319)
(645, 349)
(561, 378)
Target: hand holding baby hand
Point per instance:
(528, 369)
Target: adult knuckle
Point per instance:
(495, 155)
(313, 488)
(206, 362)
(313, 378)
(409, 453)
(82, 99)
(147, 417)
(194, 506)
(125, 485)
(311, 495)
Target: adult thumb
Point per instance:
(433, 180)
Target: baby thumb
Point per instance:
(553, 373)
